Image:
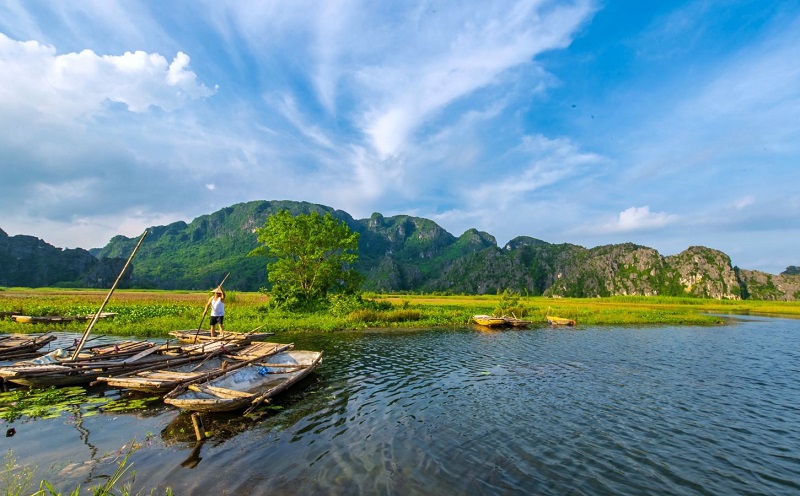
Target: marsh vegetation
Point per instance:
(155, 313)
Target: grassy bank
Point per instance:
(155, 313)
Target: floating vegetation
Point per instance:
(39, 403)
(51, 402)
(129, 404)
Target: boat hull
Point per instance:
(560, 321)
(195, 336)
(248, 385)
(489, 321)
(49, 371)
(164, 380)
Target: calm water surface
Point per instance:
(596, 410)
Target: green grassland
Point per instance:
(155, 313)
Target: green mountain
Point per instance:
(30, 262)
(399, 253)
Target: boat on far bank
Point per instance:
(560, 321)
(515, 322)
(58, 319)
(489, 320)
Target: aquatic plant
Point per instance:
(53, 401)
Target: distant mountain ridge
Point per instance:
(30, 262)
(396, 254)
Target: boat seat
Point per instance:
(218, 391)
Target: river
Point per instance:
(583, 411)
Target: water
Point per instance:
(601, 410)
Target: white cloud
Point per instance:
(79, 84)
(641, 218)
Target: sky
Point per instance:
(667, 124)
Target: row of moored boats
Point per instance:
(198, 372)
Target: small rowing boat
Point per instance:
(16, 346)
(58, 369)
(162, 380)
(57, 319)
(489, 321)
(204, 335)
(248, 386)
(558, 321)
(515, 322)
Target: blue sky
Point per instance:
(667, 124)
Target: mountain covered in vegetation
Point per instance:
(396, 254)
(31, 262)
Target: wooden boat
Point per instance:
(162, 380)
(559, 321)
(204, 335)
(248, 386)
(55, 319)
(515, 322)
(16, 346)
(488, 320)
(58, 369)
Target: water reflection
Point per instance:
(656, 410)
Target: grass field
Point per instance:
(155, 313)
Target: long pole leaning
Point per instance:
(108, 297)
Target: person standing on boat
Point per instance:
(217, 304)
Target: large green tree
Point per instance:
(310, 256)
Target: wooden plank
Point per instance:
(142, 354)
(218, 391)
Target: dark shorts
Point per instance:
(217, 320)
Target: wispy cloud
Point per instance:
(685, 128)
(549, 163)
(445, 63)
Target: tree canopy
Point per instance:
(310, 256)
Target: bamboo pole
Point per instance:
(199, 430)
(108, 297)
